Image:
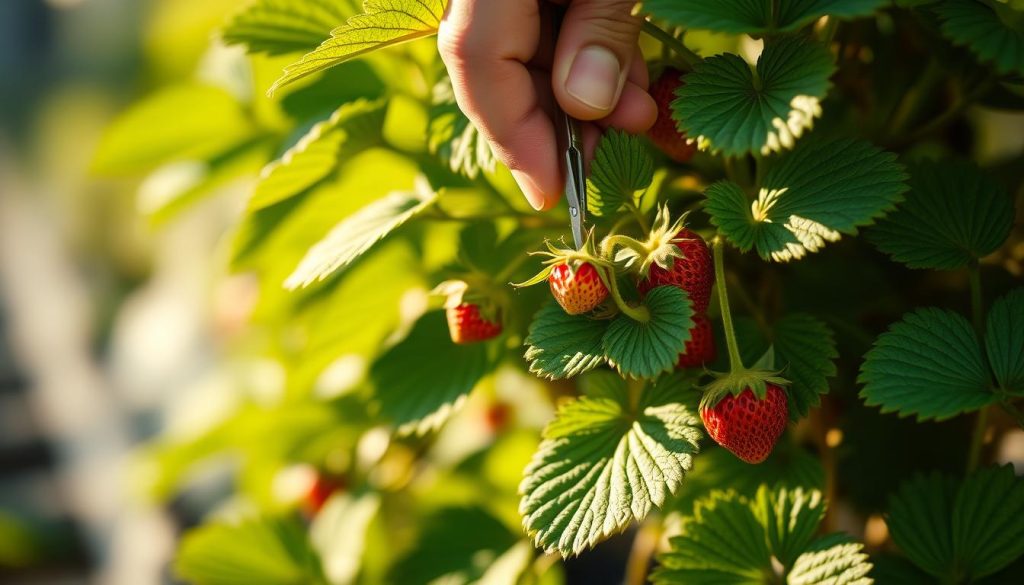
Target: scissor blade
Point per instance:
(575, 180)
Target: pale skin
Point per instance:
(507, 72)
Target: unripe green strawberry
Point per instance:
(700, 349)
(578, 291)
(747, 426)
(694, 272)
(665, 134)
(467, 325)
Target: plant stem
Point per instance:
(645, 544)
(980, 425)
(735, 362)
(672, 42)
(640, 314)
(639, 216)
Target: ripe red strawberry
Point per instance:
(700, 349)
(578, 291)
(664, 134)
(747, 426)
(467, 325)
(320, 491)
(497, 416)
(694, 272)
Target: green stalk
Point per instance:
(640, 314)
(977, 438)
(978, 320)
(667, 40)
(735, 362)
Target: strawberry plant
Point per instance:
(815, 243)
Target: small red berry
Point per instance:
(497, 416)
(467, 325)
(747, 426)
(700, 349)
(320, 491)
(694, 272)
(665, 134)
(578, 291)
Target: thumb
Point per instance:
(596, 47)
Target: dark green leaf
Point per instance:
(755, 16)
(603, 464)
(987, 530)
(733, 109)
(953, 215)
(560, 345)
(1004, 341)
(929, 364)
(620, 172)
(985, 28)
(646, 349)
(805, 351)
(919, 521)
(420, 381)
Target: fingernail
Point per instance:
(534, 195)
(594, 77)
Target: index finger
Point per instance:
(487, 46)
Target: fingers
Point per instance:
(596, 49)
(486, 44)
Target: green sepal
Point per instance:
(735, 383)
(660, 247)
(573, 258)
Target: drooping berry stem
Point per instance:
(641, 313)
(670, 41)
(735, 362)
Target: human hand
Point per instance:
(507, 71)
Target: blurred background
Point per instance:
(113, 330)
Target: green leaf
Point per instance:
(733, 540)
(831, 561)
(1004, 341)
(987, 530)
(338, 533)
(809, 197)
(960, 530)
(646, 349)
(621, 171)
(987, 29)
(790, 518)
(723, 543)
(207, 121)
(352, 128)
(456, 546)
(929, 364)
(260, 551)
(559, 345)
(755, 16)
(385, 23)
(454, 139)
(734, 109)
(953, 215)
(805, 351)
(285, 26)
(420, 381)
(358, 233)
(604, 464)
(919, 521)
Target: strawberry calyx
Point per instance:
(474, 289)
(659, 249)
(739, 381)
(571, 258)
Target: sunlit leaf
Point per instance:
(284, 26)
(182, 122)
(260, 551)
(357, 233)
(605, 463)
(734, 109)
(808, 198)
(384, 23)
(833, 560)
(454, 139)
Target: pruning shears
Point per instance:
(575, 173)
